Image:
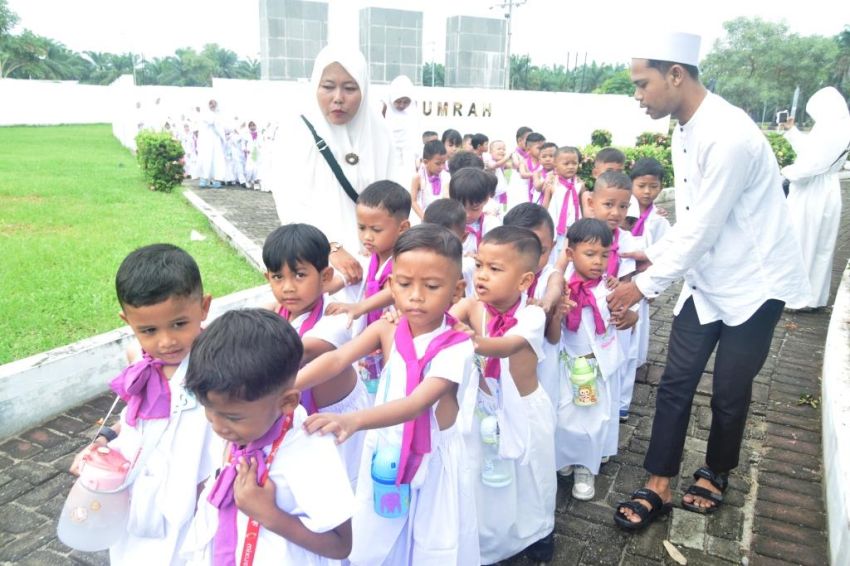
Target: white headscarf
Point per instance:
(404, 124)
(830, 136)
(303, 185)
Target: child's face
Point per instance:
(436, 164)
(500, 274)
(566, 164)
(547, 158)
(378, 230)
(590, 259)
(534, 149)
(610, 204)
(498, 150)
(166, 330)
(423, 285)
(474, 210)
(297, 291)
(547, 242)
(451, 148)
(520, 141)
(646, 189)
(241, 422)
(483, 148)
(599, 168)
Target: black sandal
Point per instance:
(719, 481)
(647, 516)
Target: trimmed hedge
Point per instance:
(160, 157)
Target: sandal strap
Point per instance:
(720, 481)
(649, 496)
(700, 491)
(635, 507)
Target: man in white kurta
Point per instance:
(211, 164)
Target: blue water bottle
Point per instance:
(390, 500)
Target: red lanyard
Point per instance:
(252, 533)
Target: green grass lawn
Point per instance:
(72, 205)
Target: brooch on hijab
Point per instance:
(352, 158)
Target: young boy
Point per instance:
(562, 200)
(473, 187)
(296, 259)
(280, 495)
(450, 214)
(429, 135)
(545, 174)
(509, 334)
(533, 143)
(423, 407)
(585, 422)
(462, 159)
(480, 144)
(432, 180)
(497, 161)
(608, 159)
(467, 142)
(162, 429)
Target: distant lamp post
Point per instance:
(509, 4)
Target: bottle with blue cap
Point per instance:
(390, 500)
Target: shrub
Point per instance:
(161, 158)
(781, 148)
(653, 138)
(602, 138)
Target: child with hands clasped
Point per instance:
(421, 514)
(162, 431)
(516, 512)
(296, 259)
(280, 496)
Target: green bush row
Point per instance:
(160, 157)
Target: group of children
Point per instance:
(476, 358)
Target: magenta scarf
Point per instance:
(145, 389)
(637, 229)
(497, 326)
(311, 320)
(570, 185)
(375, 283)
(614, 255)
(533, 286)
(221, 494)
(528, 161)
(416, 435)
(478, 233)
(435, 180)
(581, 291)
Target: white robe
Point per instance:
(212, 163)
(405, 125)
(814, 199)
(573, 214)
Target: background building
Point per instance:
(475, 52)
(292, 32)
(391, 41)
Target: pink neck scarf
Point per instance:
(532, 169)
(436, 182)
(522, 153)
(311, 320)
(221, 494)
(416, 435)
(375, 283)
(614, 255)
(533, 287)
(637, 229)
(570, 185)
(145, 389)
(477, 232)
(499, 323)
(581, 291)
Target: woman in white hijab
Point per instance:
(814, 197)
(304, 187)
(403, 121)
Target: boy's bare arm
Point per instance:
(313, 348)
(331, 364)
(378, 301)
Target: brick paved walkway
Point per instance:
(774, 513)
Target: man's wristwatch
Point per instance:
(335, 247)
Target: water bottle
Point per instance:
(389, 500)
(369, 369)
(495, 471)
(583, 381)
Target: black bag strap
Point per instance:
(323, 148)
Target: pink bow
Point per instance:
(375, 283)
(145, 389)
(581, 292)
(436, 185)
(614, 255)
(570, 185)
(637, 229)
(498, 325)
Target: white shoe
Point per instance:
(566, 471)
(605, 459)
(583, 488)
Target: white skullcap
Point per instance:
(673, 46)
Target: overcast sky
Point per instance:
(547, 30)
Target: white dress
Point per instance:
(440, 528)
(212, 163)
(548, 372)
(310, 483)
(573, 214)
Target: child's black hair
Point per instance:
(569, 149)
(431, 237)
(534, 137)
(586, 230)
(152, 274)
(453, 136)
(388, 195)
(610, 155)
(524, 241)
(529, 215)
(463, 159)
(478, 140)
(467, 137)
(471, 185)
(446, 212)
(291, 243)
(433, 148)
(647, 166)
(523, 130)
(244, 354)
(614, 179)
(549, 145)
(430, 133)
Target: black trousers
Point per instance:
(741, 353)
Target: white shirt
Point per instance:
(732, 241)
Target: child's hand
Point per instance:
(662, 212)
(392, 316)
(343, 308)
(625, 320)
(612, 282)
(466, 329)
(78, 459)
(252, 499)
(350, 268)
(340, 425)
(565, 306)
